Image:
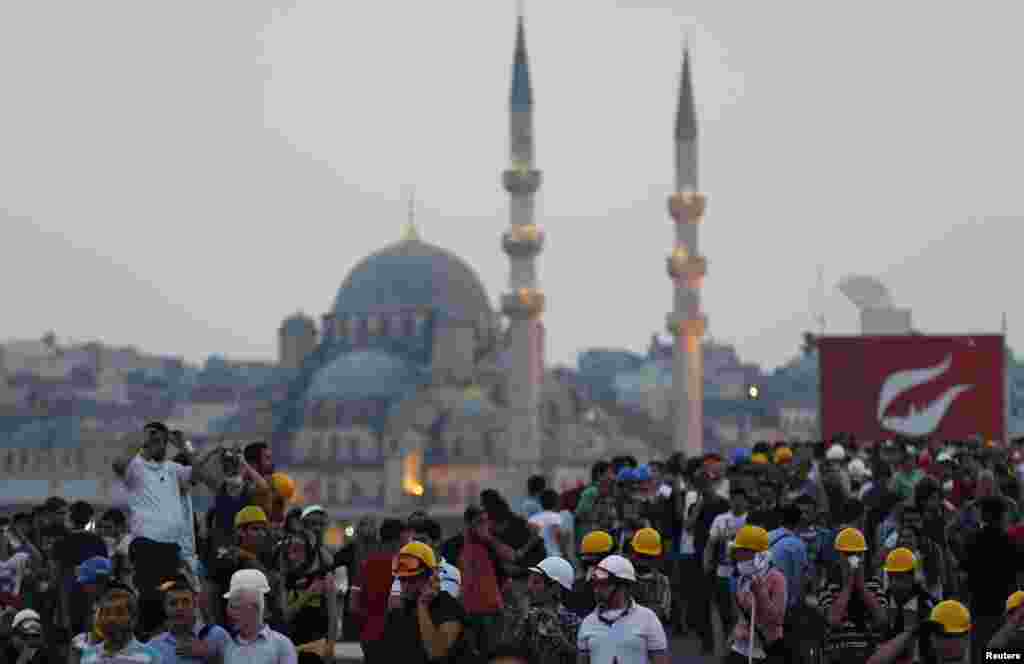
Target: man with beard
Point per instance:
(593, 549)
(547, 628)
(429, 623)
(27, 643)
(653, 589)
(250, 553)
(620, 630)
(909, 604)
(153, 486)
(115, 619)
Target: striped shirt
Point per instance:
(133, 653)
(858, 630)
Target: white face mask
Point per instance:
(854, 562)
(947, 486)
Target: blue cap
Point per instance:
(740, 455)
(92, 569)
(642, 474)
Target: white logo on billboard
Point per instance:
(917, 422)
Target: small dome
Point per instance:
(412, 273)
(297, 324)
(363, 375)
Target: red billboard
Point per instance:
(878, 388)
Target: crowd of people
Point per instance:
(839, 552)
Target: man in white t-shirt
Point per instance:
(717, 556)
(620, 631)
(153, 487)
(548, 523)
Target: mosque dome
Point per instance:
(413, 274)
(364, 374)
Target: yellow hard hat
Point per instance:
(250, 514)
(1014, 600)
(900, 560)
(752, 538)
(783, 455)
(414, 559)
(647, 542)
(759, 458)
(596, 543)
(953, 616)
(851, 540)
(283, 485)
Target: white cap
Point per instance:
(943, 457)
(835, 453)
(616, 566)
(557, 569)
(311, 510)
(248, 579)
(25, 617)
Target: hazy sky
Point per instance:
(182, 175)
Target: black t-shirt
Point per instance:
(992, 564)
(77, 547)
(517, 534)
(581, 600)
(769, 519)
(702, 528)
(402, 639)
(70, 552)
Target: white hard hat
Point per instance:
(615, 566)
(25, 618)
(835, 453)
(248, 579)
(557, 569)
(857, 468)
(312, 509)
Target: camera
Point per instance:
(231, 461)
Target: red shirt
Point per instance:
(375, 580)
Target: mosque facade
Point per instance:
(414, 389)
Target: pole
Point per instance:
(1007, 391)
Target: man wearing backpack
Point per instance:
(789, 554)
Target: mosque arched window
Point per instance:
(80, 459)
(457, 447)
(357, 491)
(315, 449)
(11, 461)
(24, 460)
(353, 447)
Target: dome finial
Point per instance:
(409, 233)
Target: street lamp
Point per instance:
(753, 392)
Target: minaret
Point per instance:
(522, 242)
(687, 267)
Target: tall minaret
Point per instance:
(522, 242)
(687, 267)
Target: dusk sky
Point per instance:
(180, 176)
